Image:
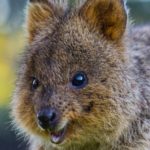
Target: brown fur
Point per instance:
(112, 110)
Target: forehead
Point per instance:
(69, 45)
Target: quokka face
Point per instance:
(72, 85)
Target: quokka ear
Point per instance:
(40, 13)
(106, 16)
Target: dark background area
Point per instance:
(12, 41)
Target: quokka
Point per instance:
(84, 79)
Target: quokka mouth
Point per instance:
(58, 137)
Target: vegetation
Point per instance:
(10, 46)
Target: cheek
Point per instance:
(23, 112)
(103, 122)
(100, 111)
(103, 116)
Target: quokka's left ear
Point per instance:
(40, 13)
(106, 16)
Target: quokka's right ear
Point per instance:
(39, 14)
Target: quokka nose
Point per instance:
(48, 118)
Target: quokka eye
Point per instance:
(35, 83)
(79, 80)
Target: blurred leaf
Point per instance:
(10, 47)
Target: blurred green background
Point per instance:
(12, 42)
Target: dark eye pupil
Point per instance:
(79, 80)
(35, 83)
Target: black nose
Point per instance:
(48, 118)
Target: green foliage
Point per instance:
(139, 11)
(10, 47)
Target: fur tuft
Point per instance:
(68, 3)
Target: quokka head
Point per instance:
(72, 85)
